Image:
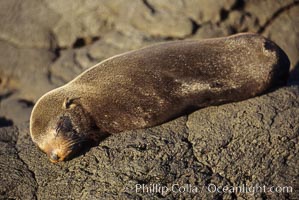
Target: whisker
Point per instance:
(72, 142)
(75, 141)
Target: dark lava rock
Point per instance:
(16, 179)
(254, 142)
(250, 142)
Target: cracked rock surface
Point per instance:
(45, 44)
(250, 140)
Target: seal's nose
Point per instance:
(54, 157)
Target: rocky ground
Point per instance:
(44, 44)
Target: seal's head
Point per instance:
(60, 125)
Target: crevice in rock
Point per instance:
(210, 169)
(223, 14)
(6, 95)
(233, 30)
(239, 5)
(56, 52)
(89, 56)
(30, 171)
(4, 122)
(276, 15)
(186, 139)
(26, 102)
(83, 41)
(195, 26)
(14, 145)
(149, 6)
(76, 61)
(80, 42)
(54, 48)
(190, 146)
(49, 76)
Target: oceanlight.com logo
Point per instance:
(211, 188)
(249, 189)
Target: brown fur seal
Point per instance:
(152, 85)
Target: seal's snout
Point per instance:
(54, 157)
(57, 155)
(60, 151)
(56, 150)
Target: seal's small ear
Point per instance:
(70, 103)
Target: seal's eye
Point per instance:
(64, 125)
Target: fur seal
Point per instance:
(150, 86)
